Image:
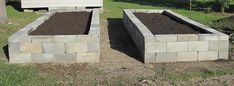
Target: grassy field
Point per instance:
(28, 74)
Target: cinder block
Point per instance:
(93, 47)
(161, 11)
(65, 58)
(20, 58)
(81, 47)
(223, 37)
(88, 58)
(141, 28)
(49, 58)
(149, 46)
(148, 37)
(166, 38)
(207, 55)
(25, 39)
(95, 19)
(219, 45)
(14, 48)
(65, 38)
(38, 58)
(187, 37)
(74, 48)
(177, 46)
(207, 37)
(36, 23)
(135, 20)
(40, 39)
(213, 45)
(94, 32)
(87, 38)
(223, 55)
(53, 48)
(20, 36)
(160, 47)
(149, 57)
(70, 48)
(31, 48)
(166, 57)
(198, 46)
(187, 56)
(223, 45)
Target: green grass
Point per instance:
(18, 20)
(25, 75)
(114, 9)
(175, 77)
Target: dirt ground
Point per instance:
(120, 65)
(66, 23)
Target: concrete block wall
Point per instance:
(24, 48)
(60, 3)
(175, 47)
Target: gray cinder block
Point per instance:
(177, 46)
(207, 55)
(53, 48)
(20, 58)
(187, 56)
(166, 38)
(198, 45)
(166, 57)
(149, 57)
(65, 58)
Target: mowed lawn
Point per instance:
(28, 74)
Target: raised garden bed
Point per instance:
(71, 36)
(165, 36)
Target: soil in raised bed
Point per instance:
(162, 24)
(66, 23)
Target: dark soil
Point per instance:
(162, 24)
(67, 23)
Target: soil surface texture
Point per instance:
(67, 23)
(162, 24)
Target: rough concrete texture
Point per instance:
(24, 48)
(175, 47)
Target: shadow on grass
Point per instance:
(120, 39)
(6, 52)
(16, 5)
(230, 9)
(226, 25)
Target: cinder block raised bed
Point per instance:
(201, 44)
(35, 44)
